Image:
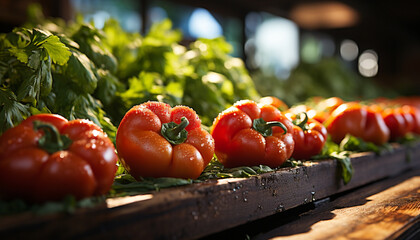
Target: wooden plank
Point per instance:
(383, 210)
(201, 209)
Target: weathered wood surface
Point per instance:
(384, 210)
(200, 209)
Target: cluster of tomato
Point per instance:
(305, 127)
(378, 121)
(47, 157)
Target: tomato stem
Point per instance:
(265, 128)
(175, 133)
(52, 141)
(301, 122)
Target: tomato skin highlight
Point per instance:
(238, 143)
(274, 101)
(186, 161)
(16, 138)
(357, 120)
(84, 168)
(376, 130)
(146, 152)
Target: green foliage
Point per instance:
(203, 77)
(125, 185)
(354, 144)
(90, 40)
(27, 57)
(332, 150)
(12, 111)
(341, 152)
(79, 71)
(218, 78)
(216, 170)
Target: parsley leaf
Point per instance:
(58, 52)
(11, 111)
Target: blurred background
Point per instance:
(292, 49)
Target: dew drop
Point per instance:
(280, 208)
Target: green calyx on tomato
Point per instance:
(175, 133)
(52, 141)
(301, 122)
(265, 128)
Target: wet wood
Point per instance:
(201, 209)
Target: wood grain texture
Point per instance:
(377, 211)
(201, 209)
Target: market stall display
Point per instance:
(225, 151)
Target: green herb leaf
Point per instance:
(19, 53)
(345, 165)
(126, 185)
(34, 59)
(354, 144)
(82, 72)
(216, 170)
(58, 52)
(292, 163)
(11, 111)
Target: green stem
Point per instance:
(52, 141)
(181, 126)
(265, 128)
(301, 122)
(175, 133)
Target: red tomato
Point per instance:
(47, 158)
(248, 134)
(149, 147)
(310, 137)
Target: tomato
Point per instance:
(46, 158)
(310, 137)
(396, 122)
(248, 134)
(357, 120)
(155, 140)
(276, 102)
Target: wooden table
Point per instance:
(386, 209)
(306, 202)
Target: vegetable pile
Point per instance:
(176, 115)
